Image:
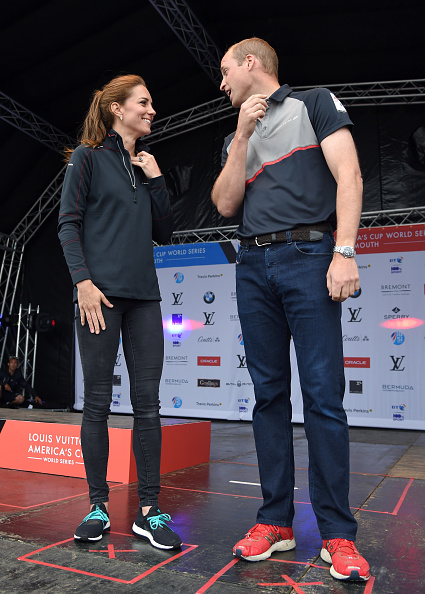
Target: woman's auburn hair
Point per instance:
(100, 118)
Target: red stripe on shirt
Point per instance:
(301, 148)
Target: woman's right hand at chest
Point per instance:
(89, 302)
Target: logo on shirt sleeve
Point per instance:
(339, 106)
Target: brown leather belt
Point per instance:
(304, 233)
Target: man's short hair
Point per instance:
(258, 48)
(12, 358)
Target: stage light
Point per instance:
(402, 323)
(44, 322)
(9, 320)
(178, 327)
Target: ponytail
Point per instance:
(99, 118)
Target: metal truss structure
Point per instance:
(13, 250)
(398, 92)
(26, 341)
(31, 124)
(192, 34)
(378, 218)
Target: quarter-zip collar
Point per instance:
(115, 138)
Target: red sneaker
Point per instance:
(347, 563)
(262, 540)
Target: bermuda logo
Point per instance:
(177, 402)
(355, 314)
(397, 363)
(179, 277)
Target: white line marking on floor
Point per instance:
(254, 484)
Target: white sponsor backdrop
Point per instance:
(205, 374)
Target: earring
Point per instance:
(121, 117)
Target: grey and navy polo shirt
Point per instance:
(288, 182)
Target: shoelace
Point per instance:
(343, 546)
(261, 528)
(97, 514)
(159, 521)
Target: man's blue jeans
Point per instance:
(140, 323)
(282, 293)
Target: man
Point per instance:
(292, 167)
(13, 384)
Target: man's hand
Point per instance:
(38, 400)
(89, 300)
(251, 110)
(7, 387)
(342, 278)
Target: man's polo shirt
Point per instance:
(288, 182)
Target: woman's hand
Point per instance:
(89, 302)
(147, 162)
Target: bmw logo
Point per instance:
(209, 297)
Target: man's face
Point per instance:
(13, 365)
(236, 80)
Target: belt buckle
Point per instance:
(261, 244)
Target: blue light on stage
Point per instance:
(178, 327)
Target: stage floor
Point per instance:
(212, 506)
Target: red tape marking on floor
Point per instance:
(216, 576)
(402, 498)
(290, 582)
(104, 577)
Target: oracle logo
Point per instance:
(357, 362)
(209, 361)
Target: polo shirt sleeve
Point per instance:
(225, 149)
(326, 112)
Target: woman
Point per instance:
(114, 202)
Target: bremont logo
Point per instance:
(397, 363)
(178, 298)
(208, 318)
(355, 314)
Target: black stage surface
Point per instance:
(212, 506)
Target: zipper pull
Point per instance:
(134, 196)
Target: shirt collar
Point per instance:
(281, 93)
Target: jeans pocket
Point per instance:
(324, 247)
(240, 254)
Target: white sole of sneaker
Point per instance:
(106, 529)
(145, 534)
(283, 545)
(353, 577)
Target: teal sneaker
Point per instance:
(94, 524)
(153, 527)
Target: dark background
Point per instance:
(55, 54)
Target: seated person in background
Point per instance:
(12, 385)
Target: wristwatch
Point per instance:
(346, 250)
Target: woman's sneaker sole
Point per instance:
(146, 534)
(87, 538)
